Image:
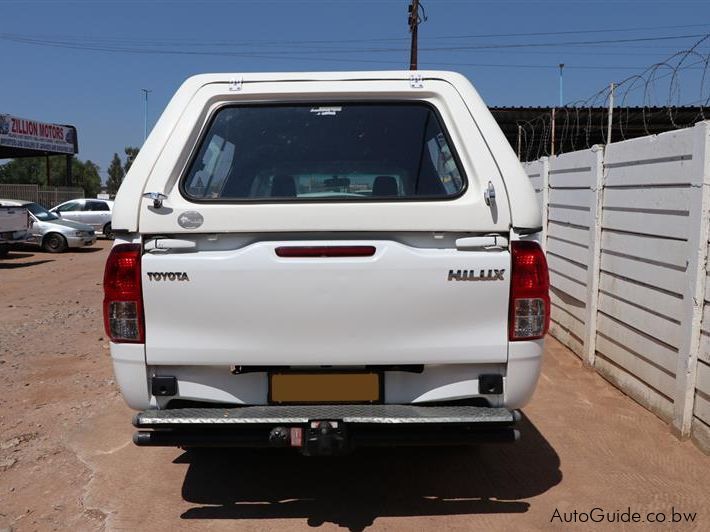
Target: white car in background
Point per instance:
(50, 232)
(93, 212)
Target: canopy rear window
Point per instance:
(328, 152)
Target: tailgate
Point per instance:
(13, 219)
(246, 305)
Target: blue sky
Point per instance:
(84, 62)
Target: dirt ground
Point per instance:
(67, 461)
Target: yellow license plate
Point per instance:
(324, 388)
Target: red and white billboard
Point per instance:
(27, 134)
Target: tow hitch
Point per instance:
(325, 438)
(320, 438)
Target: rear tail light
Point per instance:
(529, 292)
(123, 299)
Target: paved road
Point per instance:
(66, 461)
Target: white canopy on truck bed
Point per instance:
(488, 162)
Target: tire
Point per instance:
(54, 243)
(107, 231)
(4, 250)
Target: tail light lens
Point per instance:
(325, 251)
(529, 292)
(123, 299)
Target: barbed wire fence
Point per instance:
(670, 94)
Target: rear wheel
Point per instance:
(107, 231)
(54, 243)
(4, 250)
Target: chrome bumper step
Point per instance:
(355, 414)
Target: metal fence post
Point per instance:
(693, 298)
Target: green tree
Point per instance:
(86, 175)
(33, 171)
(115, 175)
(30, 170)
(131, 154)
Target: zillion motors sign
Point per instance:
(32, 135)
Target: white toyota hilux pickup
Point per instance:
(325, 261)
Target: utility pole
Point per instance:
(414, 21)
(145, 113)
(562, 65)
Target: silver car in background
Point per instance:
(50, 231)
(93, 212)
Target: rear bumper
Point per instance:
(14, 237)
(325, 429)
(436, 384)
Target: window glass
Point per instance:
(345, 151)
(71, 206)
(40, 212)
(95, 206)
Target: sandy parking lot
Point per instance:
(67, 461)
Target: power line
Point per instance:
(524, 45)
(236, 44)
(68, 43)
(289, 55)
(110, 45)
(570, 32)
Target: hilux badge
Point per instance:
(476, 275)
